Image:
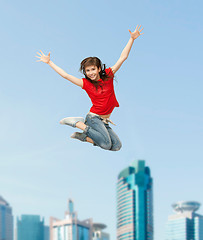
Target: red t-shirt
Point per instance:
(103, 98)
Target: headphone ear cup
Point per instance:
(103, 68)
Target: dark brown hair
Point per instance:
(94, 61)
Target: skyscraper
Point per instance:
(71, 228)
(135, 203)
(185, 224)
(30, 227)
(6, 220)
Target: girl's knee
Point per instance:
(106, 145)
(116, 147)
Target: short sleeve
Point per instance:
(84, 84)
(109, 72)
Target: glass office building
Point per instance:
(70, 228)
(46, 233)
(186, 224)
(135, 203)
(6, 220)
(30, 227)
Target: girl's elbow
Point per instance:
(124, 58)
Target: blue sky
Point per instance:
(159, 89)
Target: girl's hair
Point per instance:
(94, 61)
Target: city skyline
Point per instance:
(137, 181)
(185, 224)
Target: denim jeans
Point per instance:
(101, 133)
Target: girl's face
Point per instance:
(92, 72)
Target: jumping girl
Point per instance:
(98, 83)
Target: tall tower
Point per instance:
(30, 227)
(6, 220)
(70, 228)
(186, 224)
(135, 203)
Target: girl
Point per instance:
(98, 83)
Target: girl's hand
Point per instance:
(43, 58)
(136, 33)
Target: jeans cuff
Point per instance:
(86, 130)
(83, 137)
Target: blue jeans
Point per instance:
(101, 133)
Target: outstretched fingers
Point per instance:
(141, 31)
(39, 54)
(139, 28)
(42, 53)
(39, 59)
(42, 57)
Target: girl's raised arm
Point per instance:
(126, 50)
(46, 59)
